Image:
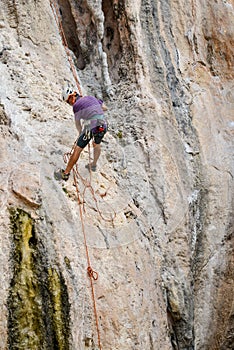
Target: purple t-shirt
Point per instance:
(87, 107)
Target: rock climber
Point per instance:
(90, 110)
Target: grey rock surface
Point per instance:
(158, 213)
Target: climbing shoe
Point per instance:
(60, 175)
(92, 167)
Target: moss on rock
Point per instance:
(56, 285)
(38, 300)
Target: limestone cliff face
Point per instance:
(158, 215)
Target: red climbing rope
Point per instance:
(93, 275)
(58, 20)
(87, 185)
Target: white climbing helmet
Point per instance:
(67, 91)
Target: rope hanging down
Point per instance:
(93, 275)
(58, 20)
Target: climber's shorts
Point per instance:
(96, 134)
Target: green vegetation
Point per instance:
(38, 300)
(120, 134)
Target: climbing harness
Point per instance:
(86, 131)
